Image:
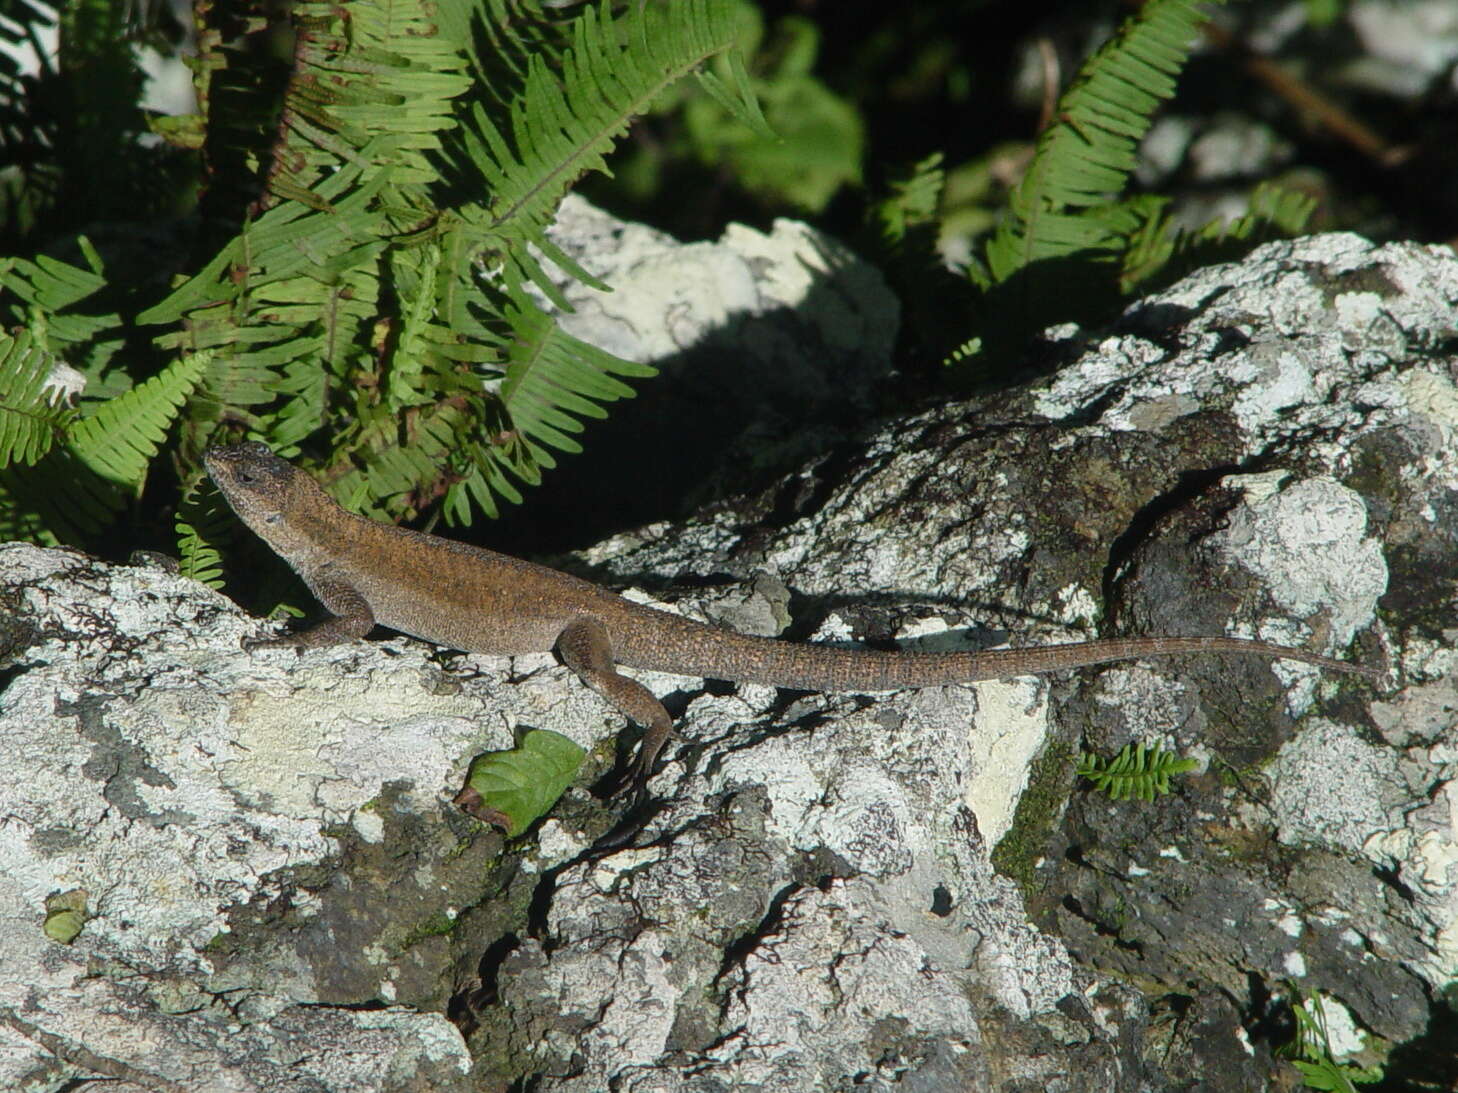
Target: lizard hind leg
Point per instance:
(586, 648)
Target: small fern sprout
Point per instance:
(1139, 771)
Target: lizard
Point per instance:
(476, 600)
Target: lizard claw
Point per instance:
(629, 780)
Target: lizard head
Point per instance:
(268, 493)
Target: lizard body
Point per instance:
(479, 601)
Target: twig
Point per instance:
(80, 1056)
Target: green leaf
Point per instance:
(553, 378)
(42, 296)
(65, 915)
(740, 103)
(351, 310)
(910, 202)
(61, 498)
(813, 141)
(377, 205)
(119, 440)
(1064, 205)
(513, 789)
(1138, 771)
(527, 152)
(1310, 1050)
(33, 413)
(75, 488)
(203, 521)
(1323, 1075)
(47, 284)
(1156, 254)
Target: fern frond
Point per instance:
(554, 379)
(63, 496)
(399, 467)
(1063, 205)
(1148, 247)
(350, 303)
(564, 124)
(1157, 254)
(40, 294)
(203, 521)
(121, 437)
(1138, 771)
(302, 394)
(963, 352)
(371, 89)
(1310, 1051)
(294, 300)
(501, 36)
(33, 415)
(739, 101)
(552, 382)
(47, 284)
(383, 99)
(1273, 206)
(911, 202)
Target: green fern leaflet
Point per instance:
(120, 439)
(1064, 204)
(203, 521)
(1310, 1051)
(33, 412)
(1139, 771)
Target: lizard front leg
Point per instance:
(586, 648)
(351, 617)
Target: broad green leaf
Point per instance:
(513, 789)
(65, 915)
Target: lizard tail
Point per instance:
(706, 651)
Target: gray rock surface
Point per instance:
(280, 896)
(1267, 449)
(183, 789)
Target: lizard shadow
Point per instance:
(874, 616)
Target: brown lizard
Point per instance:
(476, 600)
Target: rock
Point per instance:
(209, 808)
(271, 866)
